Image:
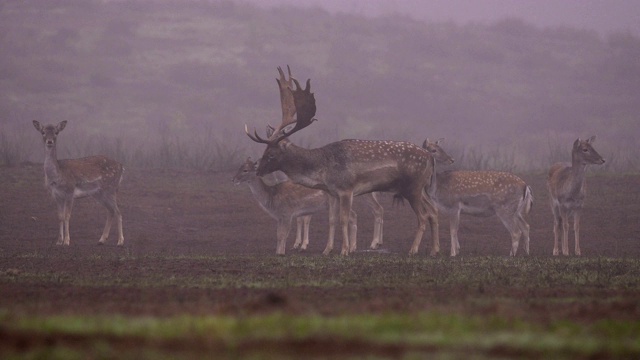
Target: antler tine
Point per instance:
(255, 137)
(286, 100)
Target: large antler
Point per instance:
(298, 101)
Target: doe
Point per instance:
(66, 180)
(568, 188)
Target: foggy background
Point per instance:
(159, 83)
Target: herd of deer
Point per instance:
(330, 176)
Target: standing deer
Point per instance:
(568, 187)
(482, 193)
(347, 168)
(485, 193)
(441, 157)
(285, 201)
(96, 176)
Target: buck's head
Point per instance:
(299, 102)
(246, 172)
(437, 152)
(49, 132)
(584, 153)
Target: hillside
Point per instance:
(136, 78)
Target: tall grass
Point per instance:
(212, 150)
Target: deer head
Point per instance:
(437, 152)
(246, 172)
(294, 101)
(584, 153)
(49, 132)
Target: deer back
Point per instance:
(359, 165)
(479, 192)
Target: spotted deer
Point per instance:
(347, 168)
(568, 188)
(96, 176)
(483, 193)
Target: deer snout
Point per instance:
(49, 142)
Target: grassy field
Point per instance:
(198, 278)
(314, 306)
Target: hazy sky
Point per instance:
(605, 16)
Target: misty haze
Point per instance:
(171, 84)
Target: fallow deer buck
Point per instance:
(483, 193)
(66, 180)
(347, 168)
(568, 188)
(285, 201)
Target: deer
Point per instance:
(96, 176)
(483, 193)
(347, 168)
(285, 201)
(567, 187)
(441, 157)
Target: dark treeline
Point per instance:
(143, 74)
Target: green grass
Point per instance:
(424, 332)
(355, 271)
(482, 322)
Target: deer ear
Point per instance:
(576, 143)
(37, 125)
(425, 143)
(439, 141)
(270, 130)
(591, 139)
(62, 125)
(284, 143)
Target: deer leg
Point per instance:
(419, 206)
(576, 232)
(306, 220)
(557, 227)
(282, 233)
(109, 201)
(565, 234)
(454, 225)
(345, 201)
(378, 213)
(524, 229)
(333, 216)
(510, 221)
(61, 207)
(353, 231)
(299, 224)
(432, 216)
(68, 205)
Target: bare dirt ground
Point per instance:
(169, 214)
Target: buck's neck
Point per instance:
(304, 166)
(51, 166)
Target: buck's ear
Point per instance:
(270, 130)
(576, 143)
(37, 125)
(284, 144)
(61, 125)
(591, 139)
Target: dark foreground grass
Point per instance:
(472, 322)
